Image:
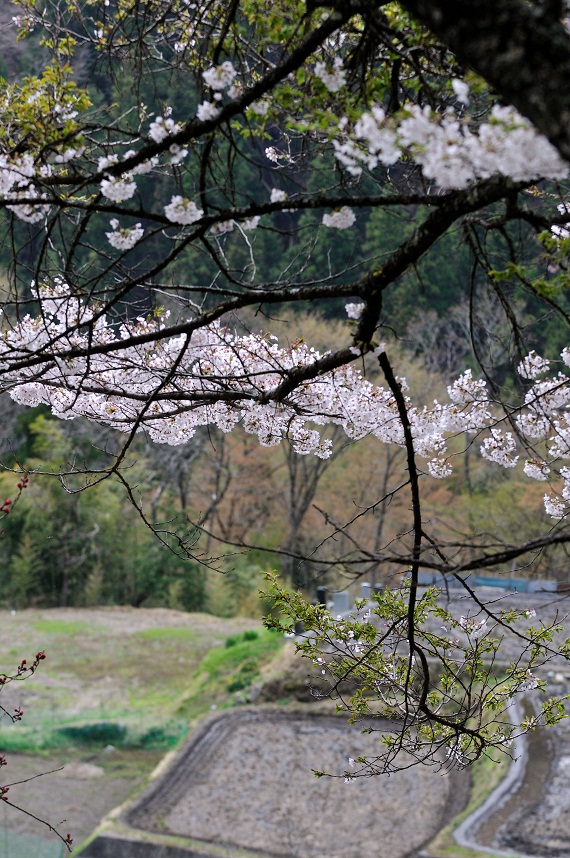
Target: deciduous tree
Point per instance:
(139, 232)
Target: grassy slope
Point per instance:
(123, 677)
(129, 679)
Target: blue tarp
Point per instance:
(513, 585)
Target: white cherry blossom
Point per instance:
(207, 110)
(449, 151)
(354, 311)
(461, 90)
(554, 506)
(260, 107)
(118, 189)
(124, 238)
(533, 365)
(536, 470)
(342, 218)
(220, 77)
(222, 227)
(234, 373)
(26, 210)
(561, 231)
(182, 211)
(499, 447)
(335, 78)
(162, 127)
(177, 154)
(251, 223)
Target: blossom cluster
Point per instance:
(182, 211)
(162, 127)
(450, 149)
(16, 175)
(124, 238)
(80, 364)
(545, 420)
(220, 77)
(90, 368)
(342, 218)
(118, 189)
(447, 149)
(335, 78)
(206, 110)
(354, 311)
(475, 629)
(558, 230)
(499, 447)
(23, 186)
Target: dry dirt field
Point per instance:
(245, 781)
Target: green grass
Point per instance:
(61, 627)
(103, 684)
(163, 634)
(121, 730)
(162, 678)
(220, 660)
(228, 669)
(113, 677)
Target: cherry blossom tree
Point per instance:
(139, 235)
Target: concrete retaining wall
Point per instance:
(106, 846)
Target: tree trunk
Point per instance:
(522, 49)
